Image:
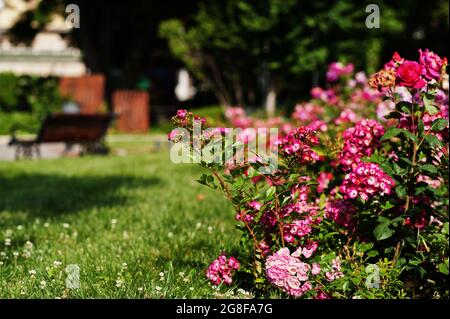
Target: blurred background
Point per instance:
(192, 54)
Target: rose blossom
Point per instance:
(409, 74)
(432, 65)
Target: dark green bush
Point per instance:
(26, 100)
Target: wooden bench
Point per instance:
(88, 130)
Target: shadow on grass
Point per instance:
(52, 195)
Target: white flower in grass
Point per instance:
(42, 284)
(1, 263)
(210, 229)
(198, 225)
(158, 288)
(19, 227)
(113, 223)
(46, 225)
(7, 241)
(65, 225)
(140, 289)
(191, 288)
(57, 263)
(181, 273)
(29, 245)
(16, 254)
(32, 272)
(119, 282)
(170, 235)
(161, 274)
(26, 254)
(8, 233)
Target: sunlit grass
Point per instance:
(133, 222)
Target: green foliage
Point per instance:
(26, 100)
(231, 45)
(18, 121)
(102, 212)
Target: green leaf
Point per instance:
(401, 191)
(365, 247)
(393, 131)
(443, 268)
(382, 231)
(428, 168)
(428, 103)
(432, 140)
(410, 135)
(394, 115)
(445, 228)
(439, 125)
(270, 191)
(372, 253)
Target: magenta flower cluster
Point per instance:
(366, 180)
(337, 70)
(297, 144)
(360, 141)
(289, 273)
(343, 212)
(222, 270)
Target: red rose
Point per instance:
(408, 74)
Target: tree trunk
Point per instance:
(271, 100)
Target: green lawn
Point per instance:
(133, 222)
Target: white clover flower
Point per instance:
(65, 225)
(119, 282)
(19, 227)
(46, 225)
(8, 233)
(140, 289)
(57, 263)
(7, 241)
(29, 245)
(170, 235)
(26, 254)
(191, 288)
(42, 284)
(210, 229)
(32, 272)
(198, 225)
(161, 274)
(158, 288)
(16, 254)
(181, 273)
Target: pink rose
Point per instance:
(432, 65)
(396, 58)
(293, 283)
(315, 269)
(277, 275)
(409, 75)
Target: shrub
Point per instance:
(358, 206)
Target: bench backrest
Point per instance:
(74, 128)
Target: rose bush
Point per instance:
(358, 206)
